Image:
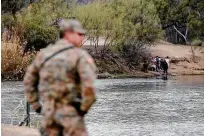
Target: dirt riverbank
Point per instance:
(113, 66)
(8, 130)
(182, 62)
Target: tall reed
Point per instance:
(13, 64)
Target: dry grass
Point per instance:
(13, 64)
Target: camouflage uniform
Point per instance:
(67, 76)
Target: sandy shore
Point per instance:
(8, 130)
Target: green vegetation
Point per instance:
(115, 20)
(182, 20)
(12, 6)
(119, 22)
(129, 27)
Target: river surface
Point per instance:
(130, 107)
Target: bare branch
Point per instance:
(86, 40)
(186, 32)
(180, 33)
(198, 13)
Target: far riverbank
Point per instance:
(181, 62)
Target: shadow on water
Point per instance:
(136, 107)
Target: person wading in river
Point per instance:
(164, 66)
(62, 77)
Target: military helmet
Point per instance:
(71, 24)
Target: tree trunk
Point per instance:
(14, 15)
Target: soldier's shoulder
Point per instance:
(87, 57)
(49, 49)
(81, 52)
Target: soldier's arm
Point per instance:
(31, 79)
(86, 70)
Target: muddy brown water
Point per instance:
(130, 107)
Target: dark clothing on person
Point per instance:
(164, 66)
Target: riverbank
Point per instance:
(8, 130)
(181, 59)
(181, 62)
(112, 65)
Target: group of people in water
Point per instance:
(160, 64)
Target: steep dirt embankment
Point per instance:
(181, 58)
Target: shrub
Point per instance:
(13, 65)
(135, 52)
(119, 21)
(197, 42)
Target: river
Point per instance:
(130, 107)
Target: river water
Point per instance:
(130, 107)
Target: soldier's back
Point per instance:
(58, 75)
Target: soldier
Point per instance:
(62, 77)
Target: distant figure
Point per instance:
(145, 66)
(62, 76)
(164, 67)
(157, 63)
(167, 60)
(153, 64)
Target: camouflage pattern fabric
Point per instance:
(68, 76)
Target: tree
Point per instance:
(124, 25)
(118, 21)
(98, 19)
(37, 23)
(12, 6)
(181, 19)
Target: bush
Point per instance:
(34, 25)
(115, 21)
(13, 65)
(127, 26)
(138, 21)
(197, 42)
(135, 52)
(119, 21)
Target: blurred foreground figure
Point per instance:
(62, 77)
